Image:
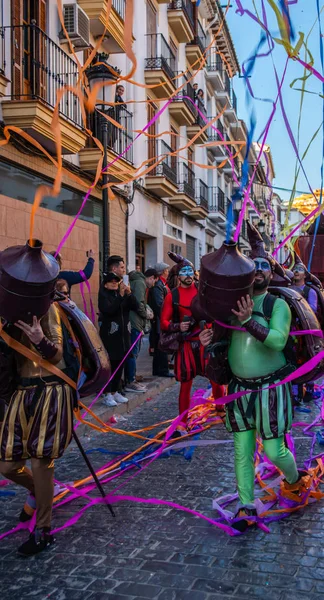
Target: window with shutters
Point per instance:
(152, 130)
(173, 217)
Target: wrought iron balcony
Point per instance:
(227, 83)
(38, 69)
(119, 140)
(202, 194)
(186, 92)
(234, 100)
(216, 200)
(215, 63)
(186, 180)
(160, 55)
(168, 167)
(213, 135)
(120, 7)
(200, 37)
(187, 7)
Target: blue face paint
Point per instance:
(261, 264)
(299, 269)
(186, 271)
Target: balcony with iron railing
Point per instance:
(38, 70)
(200, 37)
(116, 140)
(202, 194)
(186, 180)
(216, 200)
(182, 107)
(168, 167)
(120, 8)
(181, 19)
(196, 129)
(119, 139)
(200, 210)
(215, 64)
(196, 48)
(112, 26)
(162, 180)
(160, 65)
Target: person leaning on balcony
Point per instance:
(75, 277)
(200, 97)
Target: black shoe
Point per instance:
(244, 523)
(308, 397)
(38, 541)
(297, 401)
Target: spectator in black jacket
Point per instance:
(75, 277)
(156, 299)
(115, 303)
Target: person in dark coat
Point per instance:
(115, 303)
(156, 300)
(75, 277)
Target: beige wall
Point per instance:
(167, 242)
(117, 209)
(50, 228)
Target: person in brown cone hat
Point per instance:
(257, 360)
(177, 318)
(39, 419)
(301, 279)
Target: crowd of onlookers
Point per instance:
(129, 306)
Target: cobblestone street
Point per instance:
(156, 552)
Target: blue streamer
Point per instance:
(322, 171)
(6, 494)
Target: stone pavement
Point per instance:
(155, 385)
(157, 552)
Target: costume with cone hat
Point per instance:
(256, 359)
(190, 359)
(310, 288)
(39, 419)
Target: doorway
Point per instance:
(140, 248)
(29, 48)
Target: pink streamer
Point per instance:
(110, 378)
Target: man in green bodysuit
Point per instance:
(257, 360)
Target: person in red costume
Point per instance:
(190, 360)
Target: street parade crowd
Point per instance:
(236, 322)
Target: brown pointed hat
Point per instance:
(258, 250)
(180, 261)
(309, 276)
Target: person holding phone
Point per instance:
(116, 300)
(75, 277)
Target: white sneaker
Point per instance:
(120, 399)
(138, 388)
(108, 400)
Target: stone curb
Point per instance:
(105, 413)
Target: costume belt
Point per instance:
(257, 383)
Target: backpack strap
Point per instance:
(267, 307)
(305, 292)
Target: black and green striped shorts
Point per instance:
(272, 413)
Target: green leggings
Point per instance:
(276, 451)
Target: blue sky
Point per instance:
(246, 35)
